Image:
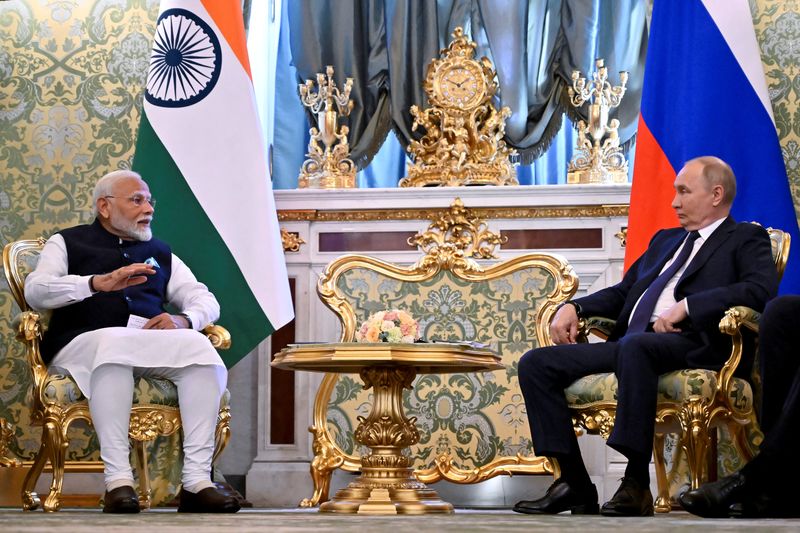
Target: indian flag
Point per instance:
(200, 148)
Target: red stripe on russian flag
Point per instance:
(651, 194)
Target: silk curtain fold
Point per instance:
(386, 45)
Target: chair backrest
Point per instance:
(27, 371)
(475, 420)
(19, 260)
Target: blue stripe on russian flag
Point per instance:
(698, 101)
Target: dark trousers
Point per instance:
(779, 360)
(637, 359)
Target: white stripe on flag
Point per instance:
(735, 22)
(218, 147)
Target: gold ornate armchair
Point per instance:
(691, 402)
(57, 402)
(472, 426)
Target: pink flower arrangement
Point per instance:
(389, 326)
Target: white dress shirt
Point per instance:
(667, 297)
(50, 286)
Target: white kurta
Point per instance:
(50, 286)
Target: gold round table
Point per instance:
(387, 484)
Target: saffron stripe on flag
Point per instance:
(201, 149)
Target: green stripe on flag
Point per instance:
(183, 224)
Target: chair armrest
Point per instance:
(737, 317)
(731, 324)
(220, 337)
(595, 325)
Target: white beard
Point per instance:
(131, 229)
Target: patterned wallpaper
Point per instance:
(71, 77)
(777, 24)
(71, 74)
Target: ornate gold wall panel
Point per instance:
(487, 213)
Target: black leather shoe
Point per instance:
(763, 505)
(631, 499)
(121, 500)
(561, 497)
(713, 500)
(208, 500)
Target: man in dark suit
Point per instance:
(668, 307)
(767, 485)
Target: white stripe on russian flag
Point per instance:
(735, 22)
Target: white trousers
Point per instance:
(200, 388)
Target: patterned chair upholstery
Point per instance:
(691, 402)
(57, 402)
(472, 426)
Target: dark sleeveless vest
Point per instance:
(93, 250)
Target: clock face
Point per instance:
(462, 85)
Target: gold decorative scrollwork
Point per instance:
(291, 241)
(222, 433)
(597, 420)
(622, 235)
(327, 458)
(219, 337)
(148, 422)
(463, 141)
(444, 468)
(455, 236)
(6, 434)
(369, 215)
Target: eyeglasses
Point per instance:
(137, 199)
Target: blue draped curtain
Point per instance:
(386, 46)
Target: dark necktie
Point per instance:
(641, 315)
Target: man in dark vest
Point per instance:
(108, 283)
(667, 309)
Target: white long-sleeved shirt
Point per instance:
(667, 297)
(50, 286)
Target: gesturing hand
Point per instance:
(166, 321)
(122, 277)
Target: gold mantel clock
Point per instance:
(463, 141)
(458, 82)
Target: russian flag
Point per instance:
(705, 94)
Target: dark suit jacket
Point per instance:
(733, 267)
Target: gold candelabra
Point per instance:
(598, 157)
(328, 165)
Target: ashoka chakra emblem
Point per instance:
(186, 60)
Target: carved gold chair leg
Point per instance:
(694, 418)
(222, 433)
(30, 499)
(140, 451)
(56, 434)
(662, 503)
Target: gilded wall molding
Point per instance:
(370, 215)
(291, 241)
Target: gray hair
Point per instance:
(718, 172)
(105, 185)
